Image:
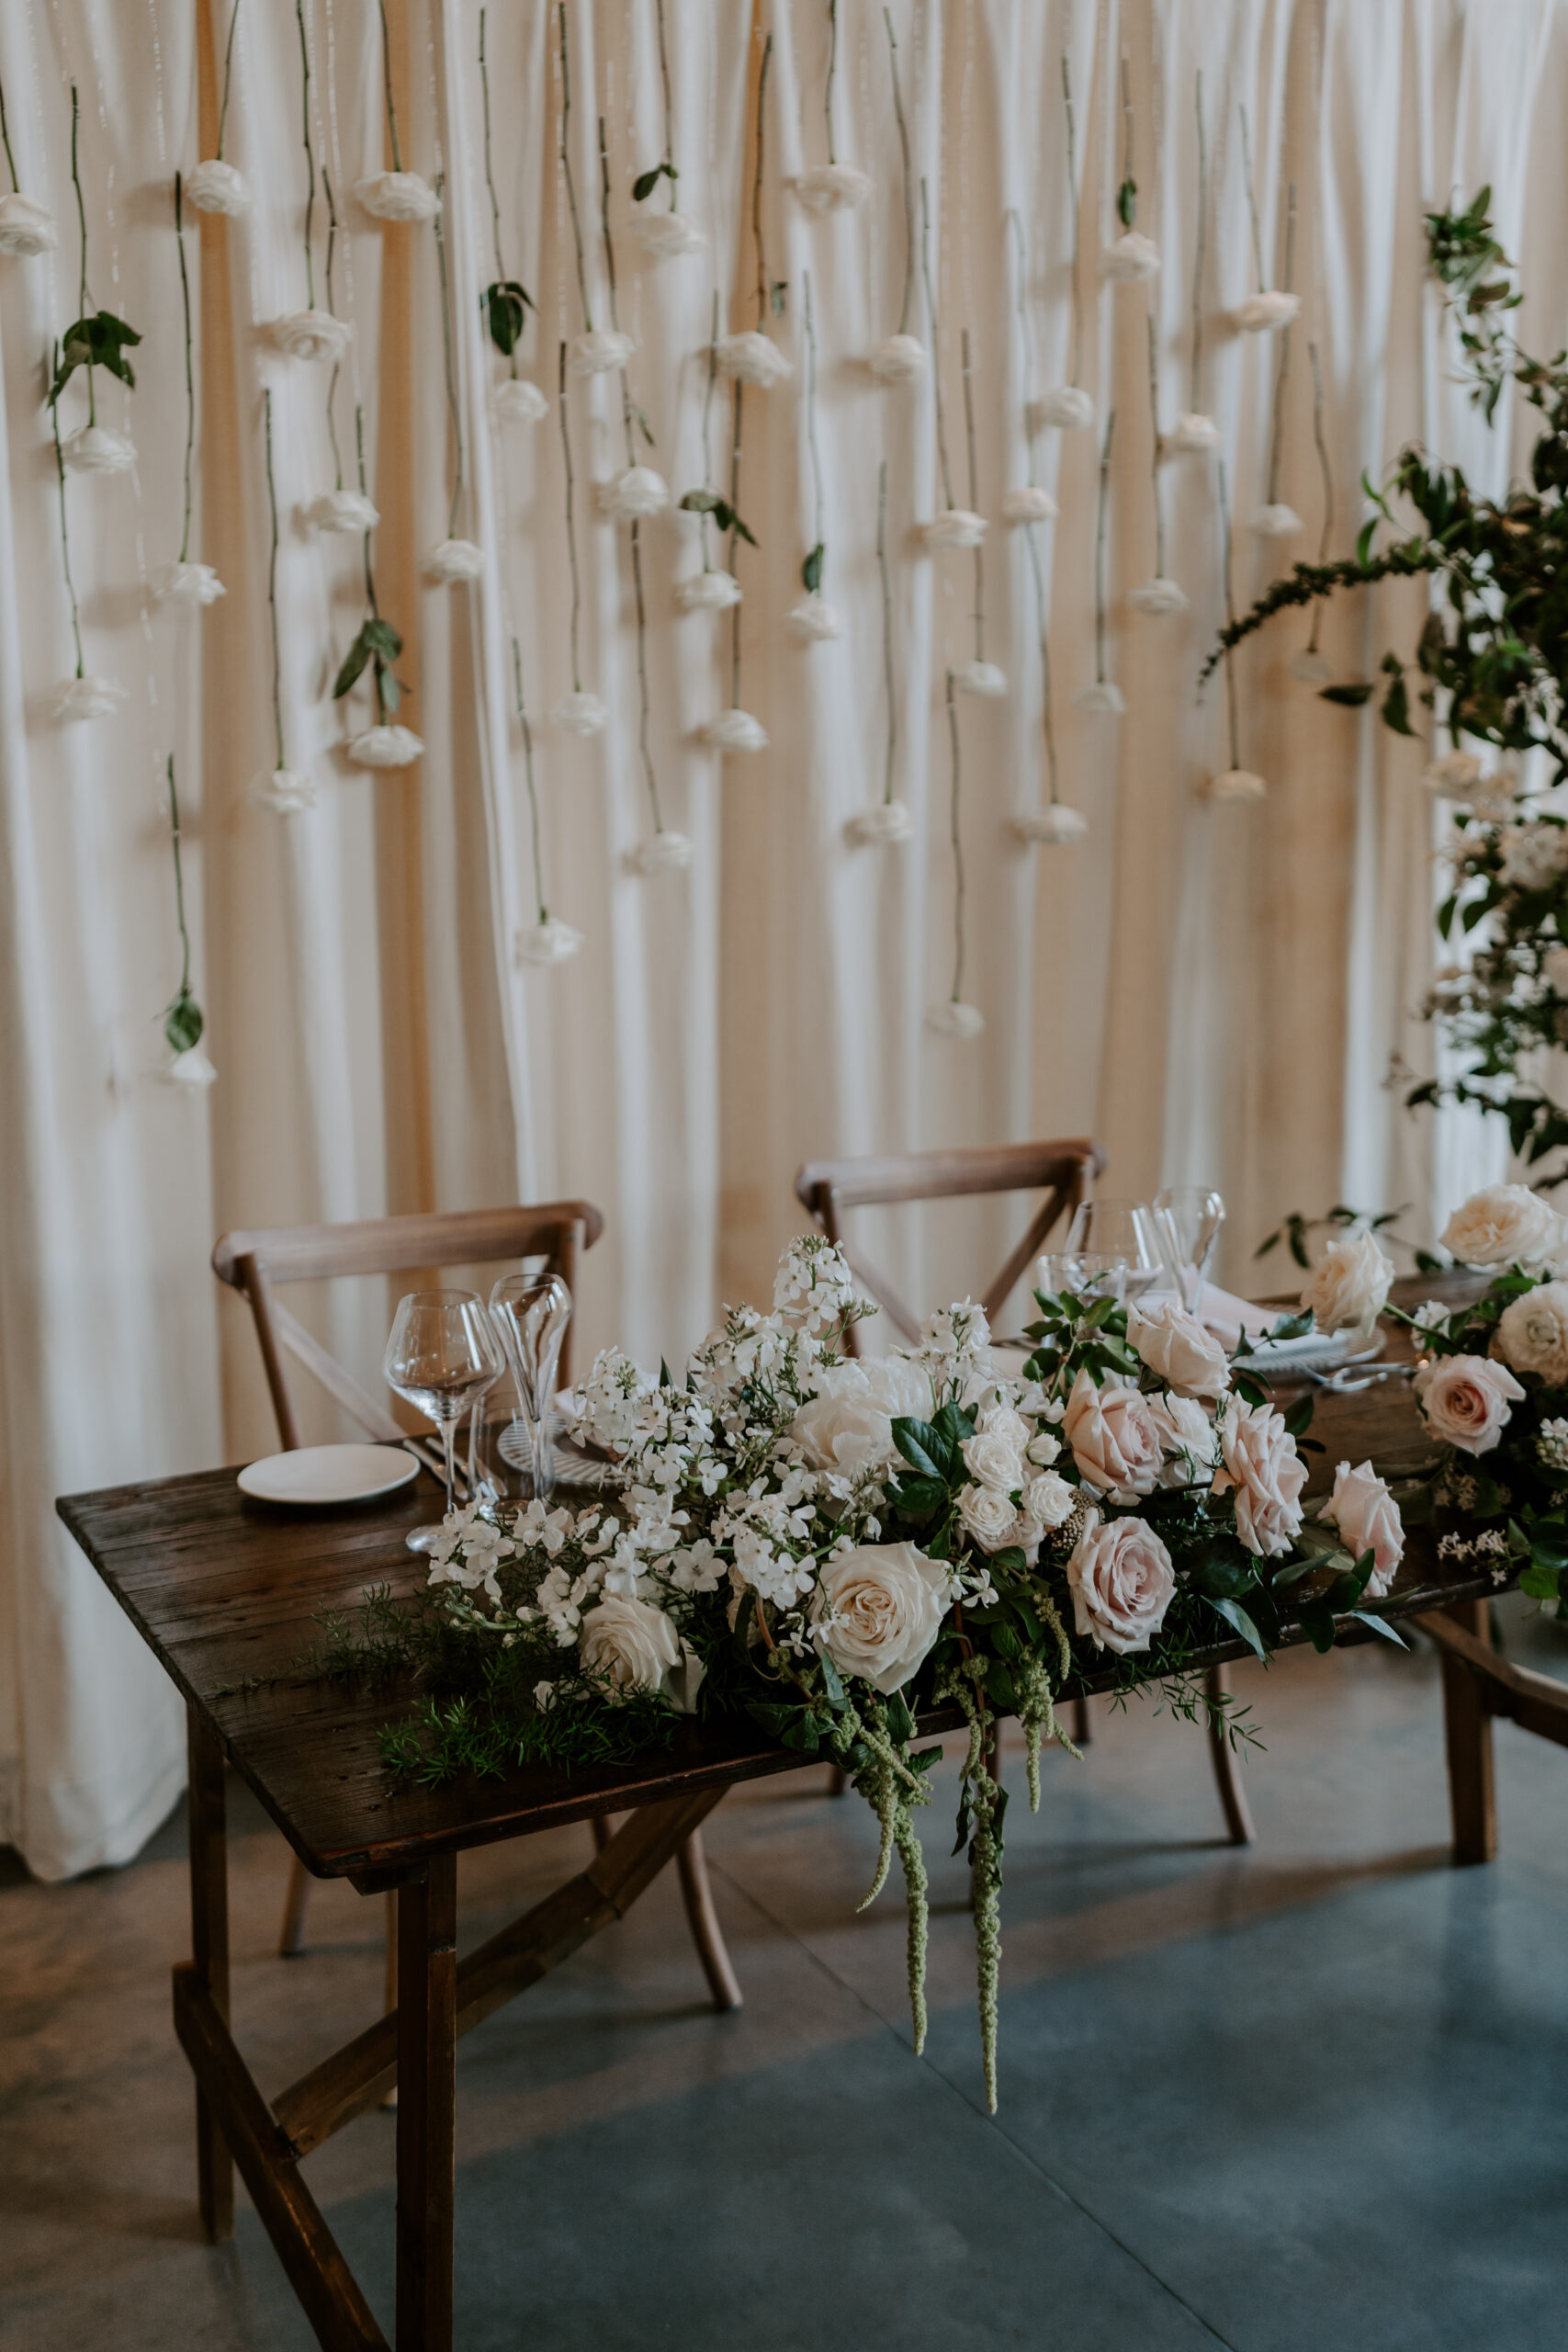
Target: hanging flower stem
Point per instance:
(1030, 529)
(889, 680)
(764, 288)
(5, 140)
(1230, 615)
(528, 776)
(571, 522)
(510, 296)
(1127, 193)
(64, 528)
(707, 419)
(1154, 462)
(957, 840)
(272, 586)
(630, 415)
(228, 77)
(670, 172)
(1327, 469)
(182, 1022)
(1252, 202)
(332, 306)
(1200, 256)
(364, 492)
(570, 183)
(81, 310)
(377, 644)
(190, 378)
(735, 546)
(815, 562)
(1099, 523)
(1277, 443)
(832, 70)
(453, 411)
(309, 152)
(1025, 340)
(387, 82)
(935, 333)
(968, 380)
(909, 301)
(1075, 200)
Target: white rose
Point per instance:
(900, 360)
(598, 352)
(735, 730)
(1132, 257)
(1046, 1502)
(213, 187)
(832, 188)
(1055, 824)
(398, 196)
(1261, 312)
(1188, 1439)
(1192, 435)
(1532, 1334)
(342, 510)
(1027, 504)
(663, 233)
(1503, 1225)
(1121, 1582)
(311, 335)
(1157, 597)
(1350, 1289)
(956, 526)
(99, 450)
(1068, 406)
(987, 1517)
(521, 401)
(1266, 1474)
(386, 747)
(633, 495)
(848, 1424)
(707, 592)
(453, 560)
(25, 226)
(1174, 1344)
(1104, 696)
(187, 583)
(814, 621)
(889, 822)
(580, 713)
(750, 358)
(550, 942)
(636, 1647)
(878, 1609)
(88, 698)
(994, 1456)
(1366, 1516)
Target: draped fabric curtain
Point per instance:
(1217, 991)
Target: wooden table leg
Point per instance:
(1467, 1734)
(691, 1859)
(209, 1957)
(1227, 1764)
(427, 2043)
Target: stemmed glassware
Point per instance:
(1121, 1230)
(441, 1358)
(1188, 1219)
(530, 1313)
(1086, 1274)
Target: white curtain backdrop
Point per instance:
(1215, 991)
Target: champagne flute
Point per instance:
(1188, 1219)
(441, 1358)
(530, 1313)
(1123, 1229)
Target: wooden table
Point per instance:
(224, 1592)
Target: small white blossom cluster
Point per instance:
(1551, 1444)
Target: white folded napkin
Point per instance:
(1228, 1317)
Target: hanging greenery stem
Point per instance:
(1199, 252)
(908, 301)
(1156, 485)
(332, 306)
(272, 586)
(770, 291)
(969, 381)
(309, 152)
(64, 528)
(228, 77)
(812, 569)
(889, 680)
(5, 139)
(567, 173)
(386, 83)
(190, 378)
(631, 415)
(1277, 443)
(1074, 201)
(1230, 614)
(1102, 514)
(453, 410)
(94, 339)
(570, 520)
(378, 644)
(183, 1022)
(935, 335)
(528, 776)
(1252, 202)
(1127, 193)
(981, 1807)
(832, 70)
(507, 303)
(1030, 529)
(956, 836)
(1327, 469)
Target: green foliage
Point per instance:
(506, 305)
(1127, 202)
(708, 502)
(646, 182)
(99, 340)
(811, 570)
(1296, 1229)
(182, 1022)
(378, 644)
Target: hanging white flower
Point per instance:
(633, 495)
(192, 1068)
(981, 678)
(598, 352)
(900, 360)
(580, 714)
(454, 560)
(386, 747)
(341, 510)
(1103, 696)
(735, 730)
(521, 401)
(1234, 784)
(832, 188)
(661, 234)
(398, 196)
(1029, 503)
(1158, 596)
(1056, 825)
(187, 583)
(1192, 436)
(707, 592)
(1132, 257)
(312, 334)
(1261, 312)
(217, 187)
(99, 450)
(1068, 406)
(955, 527)
(25, 226)
(888, 823)
(550, 942)
(89, 697)
(663, 855)
(813, 620)
(284, 791)
(1456, 776)
(1310, 667)
(752, 358)
(1275, 522)
(954, 1020)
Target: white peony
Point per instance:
(1349, 1287)
(707, 592)
(735, 730)
(25, 226)
(1192, 436)
(662, 234)
(956, 526)
(1454, 776)
(386, 747)
(750, 358)
(1121, 1581)
(598, 352)
(878, 1609)
(813, 620)
(580, 714)
(832, 188)
(1504, 1224)
(1275, 522)
(80, 698)
(1174, 1344)
(1055, 826)
(341, 510)
(1158, 596)
(665, 853)
(1103, 696)
(1233, 784)
(550, 942)
(1309, 668)
(981, 678)
(887, 823)
(1533, 1333)
(311, 335)
(1132, 257)
(284, 791)
(454, 560)
(955, 1020)
(398, 196)
(187, 583)
(1261, 312)
(899, 359)
(192, 1068)
(1067, 406)
(633, 495)
(1029, 503)
(217, 187)
(521, 401)
(847, 1426)
(97, 449)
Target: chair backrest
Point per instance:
(828, 1187)
(253, 1262)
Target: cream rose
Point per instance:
(1532, 1334)
(1366, 1516)
(1467, 1400)
(848, 1424)
(994, 1456)
(878, 1609)
(632, 1643)
(1121, 1582)
(987, 1517)
(1350, 1289)
(1113, 1437)
(1175, 1345)
(1188, 1439)
(1260, 1467)
(1504, 1224)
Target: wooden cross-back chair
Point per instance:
(256, 1263)
(1063, 1172)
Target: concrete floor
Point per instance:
(1310, 2095)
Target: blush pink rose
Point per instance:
(1113, 1437)
(1260, 1467)
(1467, 1400)
(1366, 1516)
(1121, 1582)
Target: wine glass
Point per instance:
(1123, 1229)
(1188, 1219)
(530, 1313)
(1082, 1273)
(441, 1358)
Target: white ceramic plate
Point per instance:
(328, 1474)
